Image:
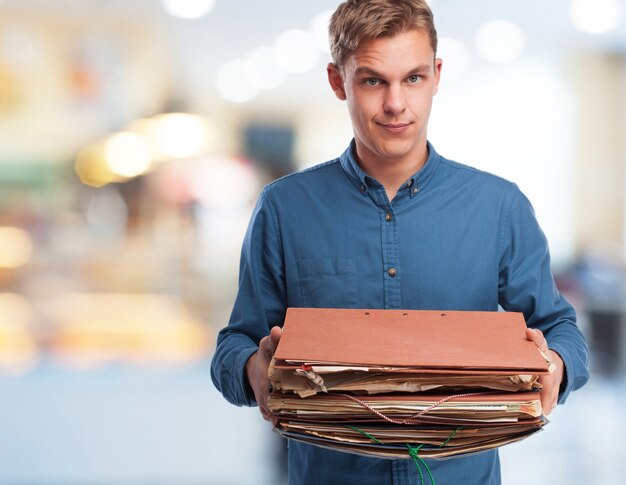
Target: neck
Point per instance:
(392, 173)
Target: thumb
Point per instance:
(269, 343)
(535, 336)
(275, 335)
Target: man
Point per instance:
(390, 224)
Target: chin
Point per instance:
(395, 150)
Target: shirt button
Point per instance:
(409, 183)
(362, 188)
(416, 190)
(388, 216)
(392, 272)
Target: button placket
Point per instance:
(391, 257)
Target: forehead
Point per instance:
(400, 52)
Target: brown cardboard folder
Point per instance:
(465, 380)
(415, 339)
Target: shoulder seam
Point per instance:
(314, 168)
(461, 166)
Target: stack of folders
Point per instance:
(375, 382)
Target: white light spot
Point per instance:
(188, 9)
(182, 135)
(595, 16)
(296, 51)
(319, 29)
(270, 74)
(500, 41)
(238, 81)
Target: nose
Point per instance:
(394, 100)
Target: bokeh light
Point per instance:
(500, 41)
(238, 81)
(319, 28)
(92, 168)
(180, 135)
(595, 16)
(297, 50)
(18, 349)
(128, 154)
(269, 73)
(16, 247)
(188, 9)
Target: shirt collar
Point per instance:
(416, 183)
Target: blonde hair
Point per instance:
(357, 20)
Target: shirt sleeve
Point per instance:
(259, 305)
(526, 285)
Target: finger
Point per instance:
(265, 346)
(275, 335)
(545, 403)
(548, 403)
(269, 343)
(266, 414)
(532, 335)
(536, 336)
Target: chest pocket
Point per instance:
(328, 282)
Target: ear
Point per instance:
(438, 66)
(336, 82)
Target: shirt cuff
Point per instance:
(567, 384)
(246, 390)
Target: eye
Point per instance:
(371, 81)
(414, 79)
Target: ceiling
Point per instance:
(234, 27)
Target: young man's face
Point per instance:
(389, 84)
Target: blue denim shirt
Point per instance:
(453, 238)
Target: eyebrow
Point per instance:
(364, 70)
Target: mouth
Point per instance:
(395, 128)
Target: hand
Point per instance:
(551, 382)
(257, 368)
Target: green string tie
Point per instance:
(413, 451)
(451, 436)
(366, 434)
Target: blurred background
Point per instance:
(135, 136)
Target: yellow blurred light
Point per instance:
(92, 168)
(176, 135)
(16, 247)
(183, 135)
(18, 349)
(15, 312)
(128, 154)
(93, 328)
